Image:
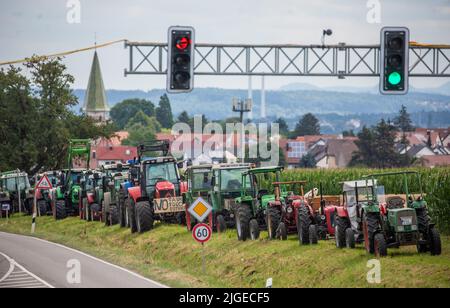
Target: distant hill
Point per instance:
(216, 103)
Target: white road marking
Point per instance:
(19, 277)
(96, 259)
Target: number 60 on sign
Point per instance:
(202, 233)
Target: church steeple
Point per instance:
(95, 103)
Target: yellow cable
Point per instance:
(416, 44)
(66, 53)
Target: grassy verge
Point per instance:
(169, 255)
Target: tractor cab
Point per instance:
(357, 195)
(15, 185)
(160, 178)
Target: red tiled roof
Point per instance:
(436, 160)
(114, 153)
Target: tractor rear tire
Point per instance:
(243, 217)
(380, 246)
(144, 217)
(60, 210)
(282, 232)
(339, 231)
(254, 230)
(435, 242)
(313, 235)
(304, 221)
(273, 222)
(42, 206)
(131, 216)
(350, 238)
(113, 215)
(221, 224)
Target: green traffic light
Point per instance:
(394, 78)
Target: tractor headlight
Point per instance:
(401, 229)
(323, 217)
(289, 210)
(414, 228)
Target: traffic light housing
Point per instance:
(180, 68)
(394, 61)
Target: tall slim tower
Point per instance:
(263, 98)
(95, 103)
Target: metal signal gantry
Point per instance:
(288, 60)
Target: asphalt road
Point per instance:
(31, 262)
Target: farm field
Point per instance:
(169, 255)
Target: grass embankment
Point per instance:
(169, 255)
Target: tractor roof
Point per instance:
(351, 185)
(232, 166)
(263, 170)
(158, 160)
(13, 174)
(390, 174)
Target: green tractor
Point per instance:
(199, 182)
(391, 221)
(114, 176)
(16, 194)
(218, 184)
(91, 195)
(67, 196)
(251, 207)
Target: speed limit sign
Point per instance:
(202, 233)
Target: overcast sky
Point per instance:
(41, 27)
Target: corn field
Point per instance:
(435, 182)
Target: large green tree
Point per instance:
(403, 121)
(376, 147)
(284, 127)
(122, 112)
(164, 112)
(308, 125)
(36, 121)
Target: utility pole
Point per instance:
(242, 107)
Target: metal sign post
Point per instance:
(33, 221)
(202, 234)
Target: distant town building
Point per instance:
(95, 102)
(105, 155)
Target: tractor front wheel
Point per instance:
(60, 210)
(243, 216)
(131, 216)
(304, 221)
(221, 225)
(254, 229)
(42, 206)
(380, 245)
(144, 217)
(435, 242)
(113, 215)
(339, 231)
(273, 222)
(282, 232)
(371, 224)
(350, 238)
(313, 235)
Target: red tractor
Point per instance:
(316, 217)
(159, 194)
(282, 213)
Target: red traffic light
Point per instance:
(182, 43)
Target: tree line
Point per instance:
(36, 120)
